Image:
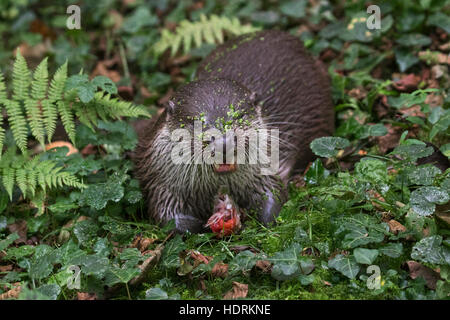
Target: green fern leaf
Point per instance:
(21, 78)
(67, 119)
(2, 99)
(210, 29)
(40, 81)
(35, 120)
(21, 180)
(55, 94)
(17, 123)
(8, 180)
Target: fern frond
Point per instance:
(17, 123)
(107, 107)
(40, 81)
(67, 119)
(8, 180)
(210, 29)
(55, 93)
(21, 78)
(2, 99)
(35, 120)
(30, 167)
(29, 174)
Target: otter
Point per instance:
(263, 80)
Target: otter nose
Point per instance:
(224, 145)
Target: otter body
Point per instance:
(270, 82)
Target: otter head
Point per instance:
(213, 118)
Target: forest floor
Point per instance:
(369, 219)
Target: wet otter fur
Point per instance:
(272, 82)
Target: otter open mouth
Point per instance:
(225, 167)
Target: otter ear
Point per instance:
(170, 107)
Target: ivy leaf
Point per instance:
(373, 170)
(105, 83)
(429, 250)
(9, 239)
(441, 20)
(414, 39)
(413, 151)
(141, 17)
(373, 130)
(243, 262)
(423, 175)
(365, 256)
(51, 291)
(19, 252)
(169, 257)
(85, 231)
(328, 146)
(289, 264)
(156, 294)
(345, 265)
(115, 275)
(98, 195)
(445, 149)
(93, 264)
(424, 199)
(393, 250)
(295, 8)
(405, 59)
(84, 88)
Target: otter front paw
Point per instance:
(185, 223)
(271, 207)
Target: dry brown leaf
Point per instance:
(20, 226)
(434, 57)
(89, 149)
(240, 290)
(147, 265)
(414, 111)
(86, 296)
(8, 267)
(396, 227)
(264, 265)
(199, 258)
(390, 140)
(407, 83)
(11, 294)
(220, 270)
(417, 270)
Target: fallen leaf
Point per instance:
(11, 294)
(86, 296)
(407, 83)
(20, 226)
(199, 258)
(240, 290)
(390, 140)
(264, 265)
(396, 227)
(6, 268)
(89, 149)
(417, 270)
(220, 270)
